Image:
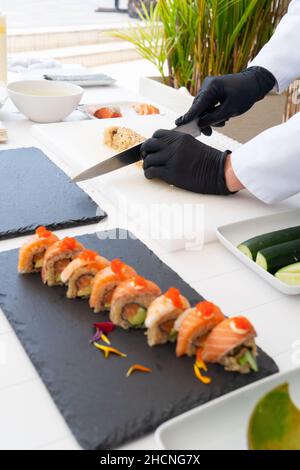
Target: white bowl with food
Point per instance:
(45, 101)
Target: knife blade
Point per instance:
(129, 156)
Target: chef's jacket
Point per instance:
(269, 165)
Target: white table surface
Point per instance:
(29, 418)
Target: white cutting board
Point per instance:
(177, 218)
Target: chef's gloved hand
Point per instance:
(181, 160)
(226, 96)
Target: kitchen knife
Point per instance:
(129, 156)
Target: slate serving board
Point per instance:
(102, 407)
(34, 191)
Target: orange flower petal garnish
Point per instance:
(139, 368)
(88, 255)
(174, 295)
(199, 361)
(205, 380)
(42, 232)
(107, 350)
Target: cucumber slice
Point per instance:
(173, 335)
(261, 261)
(292, 279)
(289, 274)
(246, 250)
(251, 247)
(291, 268)
(278, 256)
(39, 263)
(250, 359)
(85, 292)
(139, 318)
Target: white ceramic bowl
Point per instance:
(44, 100)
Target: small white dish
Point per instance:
(45, 101)
(232, 235)
(222, 423)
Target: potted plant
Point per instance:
(190, 39)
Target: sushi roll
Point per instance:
(231, 344)
(105, 283)
(193, 326)
(32, 253)
(161, 316)
(144, 109)
(131, 300)
(80, 273)
(57, 258)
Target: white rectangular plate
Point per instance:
(222, 423)
(232, 235)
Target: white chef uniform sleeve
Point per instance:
(281, 55)
(269, 165)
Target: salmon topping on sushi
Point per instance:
(194, 325)
(87, 255)
(80, 273)
(31, 254)
(131, 300)
(57, 258)
(162, 314)
(232, 345)
(105, 283)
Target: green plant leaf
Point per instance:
(188, 40)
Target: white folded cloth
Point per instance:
(23, 64)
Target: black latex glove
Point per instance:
(183, 161)
(227, 96)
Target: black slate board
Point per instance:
(102, 407)
(34, 191)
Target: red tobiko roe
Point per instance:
(242, 323)
(42, 232)
(68, 243)
(139, 281)
(174, 295)
(105, 326)
(117, 265)
(88, 255)
(206, 308)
